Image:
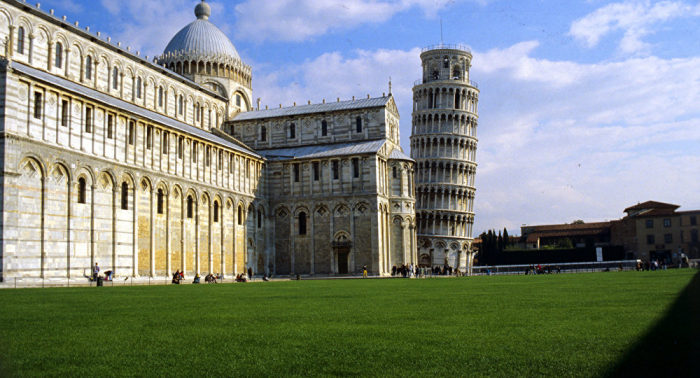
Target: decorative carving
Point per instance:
(23, 93)
(29, 169)
(77, 108)
(52, 101)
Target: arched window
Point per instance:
(88, 68)
(302, 223)
(394, 169)
(196, 111)
(160, 201)
(190, 206)
(259, 219)
(160, 96)
(216, 211)
(240, 215)
(115, 78)
(263, 134)
(82, 190)
(20, 40)
(59, 55)
(125, 196)
(292, 131)
(139, 84)
(445, 63)
(180, 104)
(324, 128)
(358, 124)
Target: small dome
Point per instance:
(202, 38)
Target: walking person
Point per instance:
(250, 272)
(364, 271)
(95, 272)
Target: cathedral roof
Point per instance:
(314, 108)
(332, 150)
(202, 40)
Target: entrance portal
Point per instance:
(343, 262)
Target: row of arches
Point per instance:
(449, 148)
(237, 72)
(445, 67)
(431, 223)
(444, 123)
(445, 98)
(445, 199)
(134, 225)
(67, 55)
(445, 172)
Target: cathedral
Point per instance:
(149, 166)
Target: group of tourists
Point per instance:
(539, 269)
(411, 271)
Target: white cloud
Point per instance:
(635, 18)
(299, 20)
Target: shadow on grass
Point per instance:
(671, 348)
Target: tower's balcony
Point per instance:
(447, 47)
(445, 81)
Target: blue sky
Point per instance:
(586, 107)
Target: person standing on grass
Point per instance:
(250, 272)
(95, 272)
(364, 271)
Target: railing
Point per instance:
(581, 267)
(447, 47)
(446, 81)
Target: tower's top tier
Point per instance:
(446, 63)
(441, 46)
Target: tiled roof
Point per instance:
(396, 154)
(648, 205)
(128, 107)
(325, 150)
(571, 227)
(314, 108)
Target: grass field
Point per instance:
(595, 324)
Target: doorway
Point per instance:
(343, 262)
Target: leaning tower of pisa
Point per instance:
(443, 143)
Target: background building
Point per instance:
(443, 143)
(656, 230)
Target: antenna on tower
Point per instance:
(441, 39)
(389, 85)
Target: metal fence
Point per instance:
(580, 267)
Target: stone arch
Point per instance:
(8, 16)
(341, 236)
(61, 37)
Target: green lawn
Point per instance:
(594, 324)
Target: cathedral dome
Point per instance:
(202, 40)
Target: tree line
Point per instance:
(492, 245)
